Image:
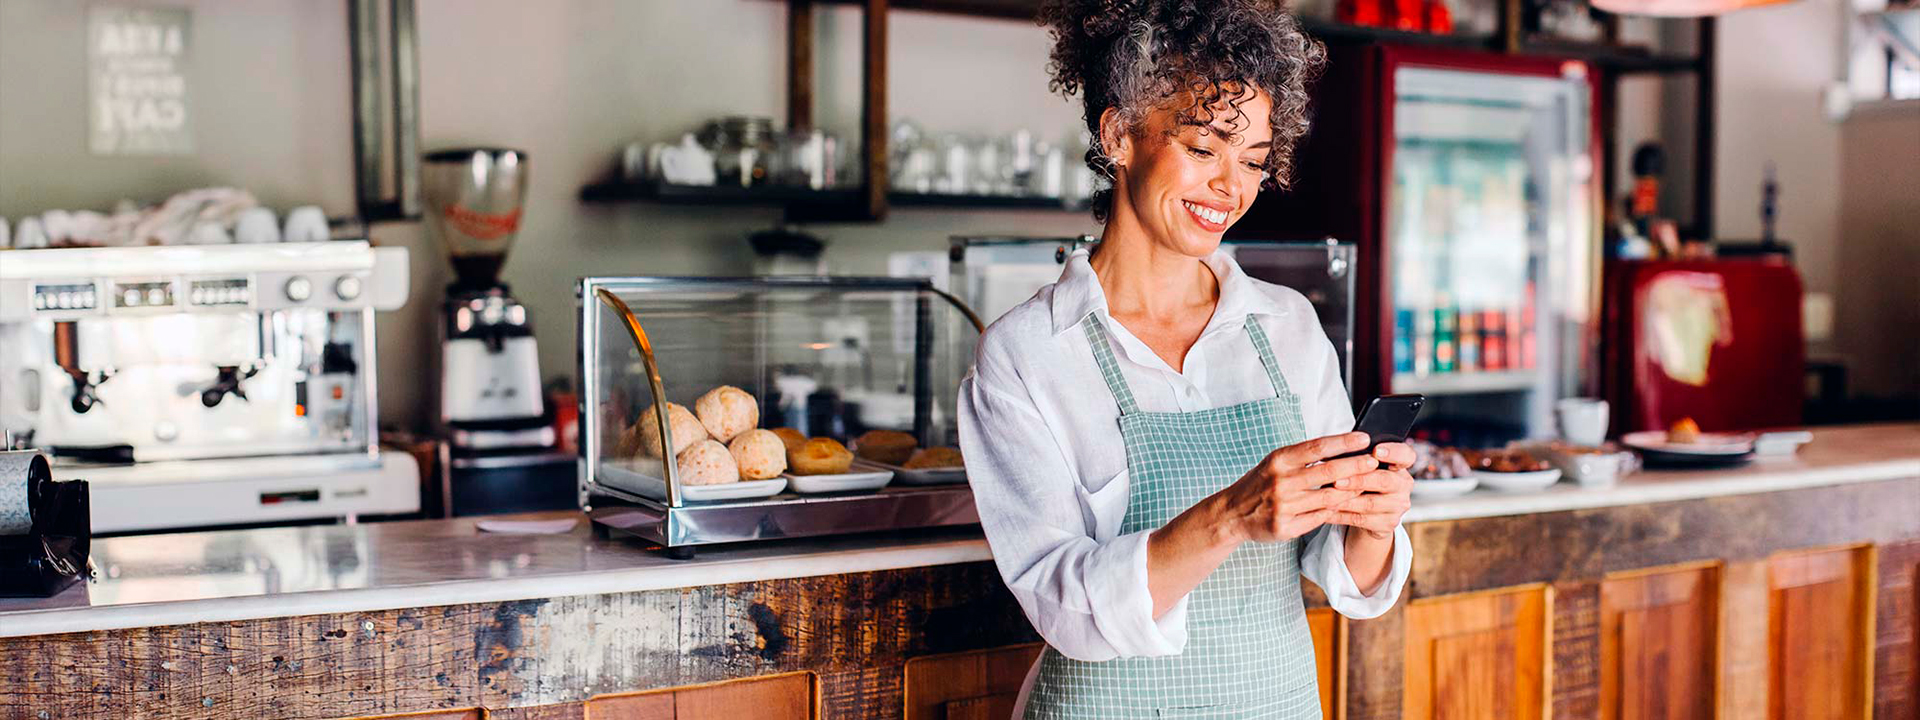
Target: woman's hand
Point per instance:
(1386, 493)
(1295, 489)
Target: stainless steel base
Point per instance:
(787, 515)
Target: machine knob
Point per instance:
(347, 287)
(299, 289)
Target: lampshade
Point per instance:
(1679, 8)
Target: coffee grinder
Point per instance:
(499, 443)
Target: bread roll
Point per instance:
(820, 456)
(885, 446)
(791, 437)
(707, 463)
(935, 457)
(759, 453)
(727, 411)
(686, 429)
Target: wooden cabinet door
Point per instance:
(962, 686)
(1659, 633)
(1820, 649)
(775, 697)
(467, 714)
(1478, 655)
(1325, 625)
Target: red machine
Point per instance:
(1718, 341)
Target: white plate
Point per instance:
(840, 482)
(1449, 487)
(918, 476)
(1514, 482)
(624, 475)
(1709, 443)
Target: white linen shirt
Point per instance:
(1041, 435)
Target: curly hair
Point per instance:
(1134, 56)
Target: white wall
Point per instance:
(567, 81)
(1846, 188)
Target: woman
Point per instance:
(1141, 434)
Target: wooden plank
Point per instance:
(1819, 634)
(1576, 650)
(873, 108)
(467, 714)
(855, 631)
(1324, 625)
(935, 682)
(562, 711)
(1465, 555)
(1479, 655)
(799, 64)
(1374, 666)
(1659, 644)
(1896, 660)
(1743, 676)
(788, 696)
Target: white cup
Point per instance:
(305, 224)
(1583, 421)
(257, 225)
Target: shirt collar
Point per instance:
(1078, 294)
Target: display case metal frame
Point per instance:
(680, 525)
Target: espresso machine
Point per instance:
(205, 385)
(498, 452)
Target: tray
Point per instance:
(618, 475)
(917, 476)
(838, 482)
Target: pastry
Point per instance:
(791, 437)
(1684, 431)
(727, 411)
(707, 463)
(759, 453)
(820, 456)
(686, 430)
(889, 447)
(935, 457)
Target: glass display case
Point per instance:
(819, 358)
(994, 274)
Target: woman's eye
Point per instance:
(1256, 167)
(1200, 152)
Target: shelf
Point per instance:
(666, 193)
(1328, 30)
(1006, 202)
(1466, 383)
(1616, 58)
(809, 202)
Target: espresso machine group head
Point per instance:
(489, 364)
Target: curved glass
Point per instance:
(828, 357)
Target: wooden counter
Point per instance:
(1784, 589)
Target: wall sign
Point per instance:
(136, 62)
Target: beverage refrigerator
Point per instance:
(1469, 182)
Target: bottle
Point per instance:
(1469, 341)
(1423, 350)
(1527, 349)
(1403, 340)
(1493, 340)
(1445, 334)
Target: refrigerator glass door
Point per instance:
(1491, 244)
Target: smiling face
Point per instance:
(1184, 184)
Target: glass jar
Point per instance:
(744, 149)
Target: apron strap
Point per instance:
(1102, 344)
(1267, 360)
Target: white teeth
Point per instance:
(1209, 214)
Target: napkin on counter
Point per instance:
(528, 527)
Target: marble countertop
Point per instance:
(230, 575)
(233, 575)
(1837, 455)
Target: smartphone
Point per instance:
(1386, 419)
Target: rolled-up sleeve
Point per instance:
(1323, 558)
(1086, 597)
(1324, 562)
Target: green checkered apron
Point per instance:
(1249, 653)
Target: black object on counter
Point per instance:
(53, 554)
